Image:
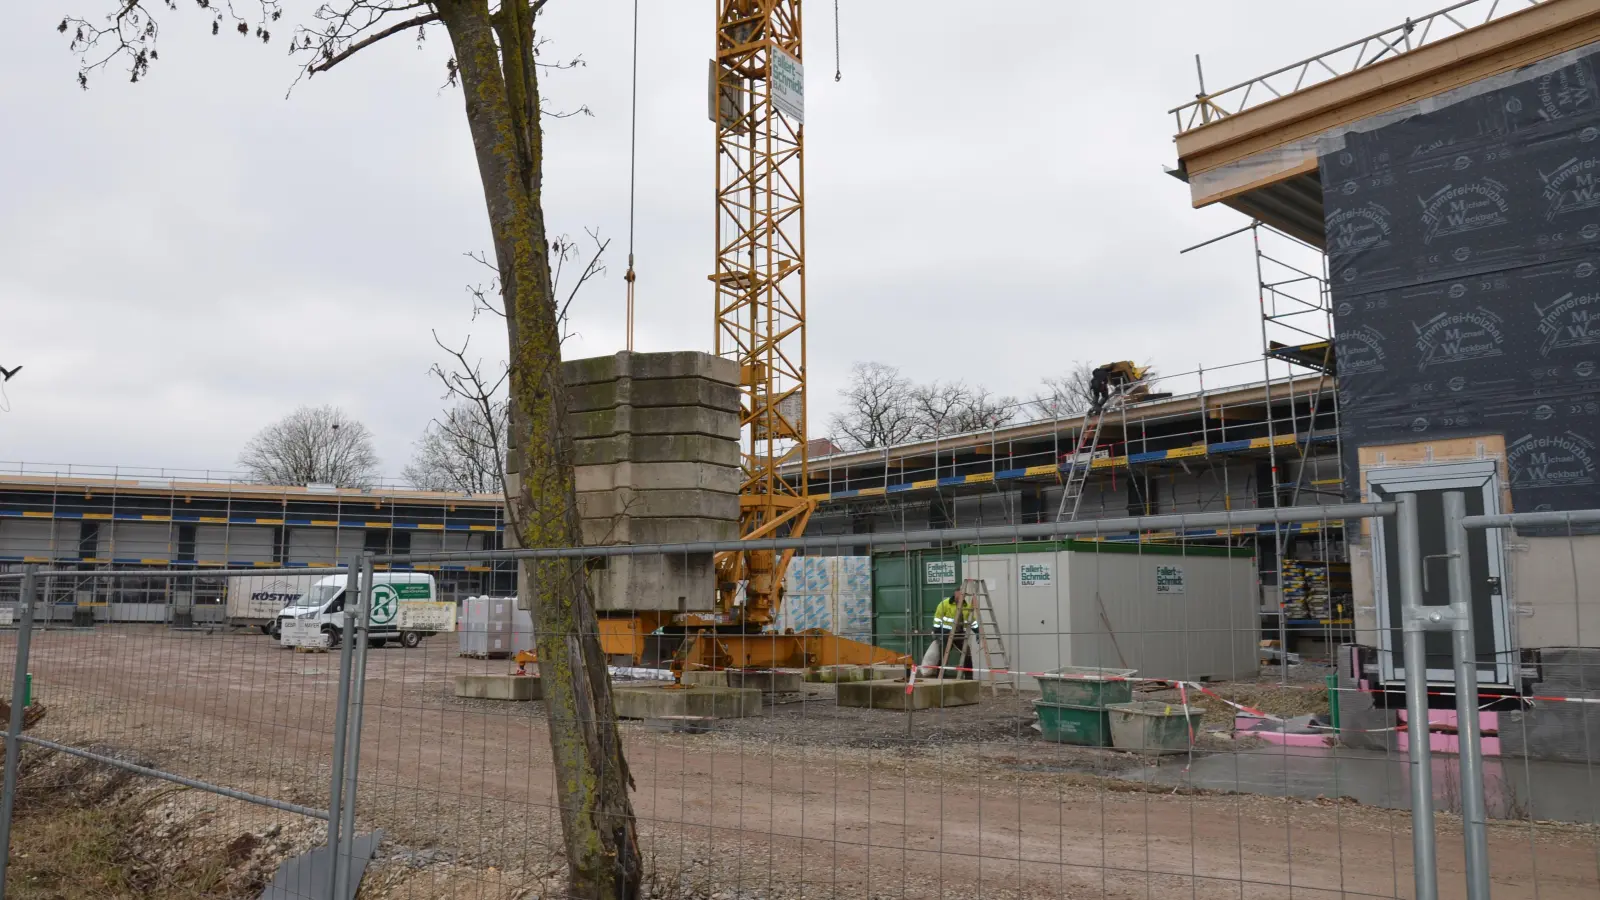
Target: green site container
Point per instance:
(1084, 686)
(1153, 726)
(1065, 723)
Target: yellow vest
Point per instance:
(944, 615)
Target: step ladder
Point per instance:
(1082, 458)
(991, 654)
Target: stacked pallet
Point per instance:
(1316, 590)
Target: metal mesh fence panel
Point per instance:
(1103, 711)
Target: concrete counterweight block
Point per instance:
(656, 461)
(925, 694)
(660, 701)
(499, 687)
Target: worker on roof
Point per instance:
(1110, 377)
(953, 619)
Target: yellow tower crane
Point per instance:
(757, 101)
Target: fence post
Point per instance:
(1474, 813)
(1423, 850)
(340, 725)
(358, 690)
(19, 692)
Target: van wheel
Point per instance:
(273, 631)
(333, 635)
(410, 639)
(377, 642)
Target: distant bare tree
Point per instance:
(465, 450)
(312, 445)
(1067, 394)
(943, 408)
(879, 408)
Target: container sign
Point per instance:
(1034, 574)
(7, 615)
(939, 571)
(1169, 579)
(427, 615)
(788, 85)
(302, 633)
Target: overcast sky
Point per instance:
(185, 259)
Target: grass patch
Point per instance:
(82, 833)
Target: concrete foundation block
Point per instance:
(884, 672)
(499, 687)
(666, 701)
(923, 695)
(662, 476)
(643, 504)
(836, 674)
(767, 681)
(718, 678)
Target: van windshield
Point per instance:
(321, 594)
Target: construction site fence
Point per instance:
(1114, 721)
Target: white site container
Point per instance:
(1186, 613)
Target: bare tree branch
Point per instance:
(330, 61)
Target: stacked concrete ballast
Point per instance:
(656, 440)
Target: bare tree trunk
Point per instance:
(494, 56)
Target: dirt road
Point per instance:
(753, 811)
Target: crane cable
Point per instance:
(837, 74)
(633, 150)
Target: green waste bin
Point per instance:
(1066, 723)
(1086, 686)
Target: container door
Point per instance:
(892, 601)
(1480, 482)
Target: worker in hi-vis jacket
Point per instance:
(953, 618)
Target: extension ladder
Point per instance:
(1082, 458)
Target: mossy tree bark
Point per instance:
(494, 54)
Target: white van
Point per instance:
(325, 603)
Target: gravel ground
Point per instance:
(810, 800)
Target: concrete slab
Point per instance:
(662, 701)
(499, 687)
(650, 504)
(661, 476)
(659, 531)
(656, 448)
(672, 364)
(923, 695)
(653, 392)
(718, 678)
(885, 672)
(654, 420)
(767, 681)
